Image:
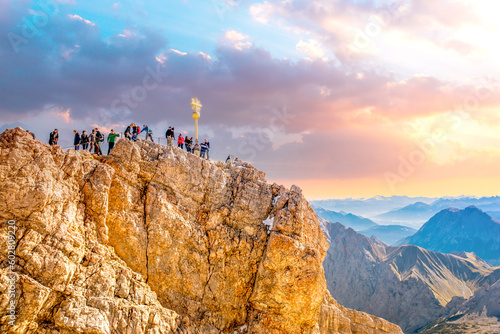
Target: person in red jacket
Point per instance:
(180, 141)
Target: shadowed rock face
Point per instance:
(155, 240)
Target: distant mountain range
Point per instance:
(369, 207)
(408, 211)
(355, 222)
(407, 285)
(414, 214)
(418, 213)
(469, 230)
(389, 234)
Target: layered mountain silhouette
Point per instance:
(467, 230)
(355, 222)
(413, 214)
(369, 207)
(389, 234)
(407, 285)
(418, 213)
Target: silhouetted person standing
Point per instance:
(127, 132)
(76, 140)
(84, 140)
(99, 138)
(54, 137)
(196, 149)
(92, 140)
(170, 135)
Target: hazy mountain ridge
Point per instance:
(355, 222)
(369, 207)
(389, 234)
(408, 211)
(417, 213)
(407, 285)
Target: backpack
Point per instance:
(138, 129)
(99, 136)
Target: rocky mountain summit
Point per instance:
(152, 239)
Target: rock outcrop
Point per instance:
(152, 239)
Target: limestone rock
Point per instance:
(152, 239)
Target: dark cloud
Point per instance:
(326, 118)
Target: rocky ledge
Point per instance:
(152, 239)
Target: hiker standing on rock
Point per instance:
(99, 138)
(111, 140)
(84, 140)
(149, 132)
(188, 141)
(196, 149)
(76, 141)
(54, 137)
(205, 147)
(170, 135)
(180, 141)
(92, 140)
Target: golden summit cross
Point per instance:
(196, 106)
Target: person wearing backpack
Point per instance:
(76, 140)
(111, 140)
(84, 140)
(99, 138)
(54, 137)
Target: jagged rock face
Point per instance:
(67, 280)
(155, 240)
(406, 285)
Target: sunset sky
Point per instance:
(342, 98)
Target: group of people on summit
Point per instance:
(94, 140)
(197, 149)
